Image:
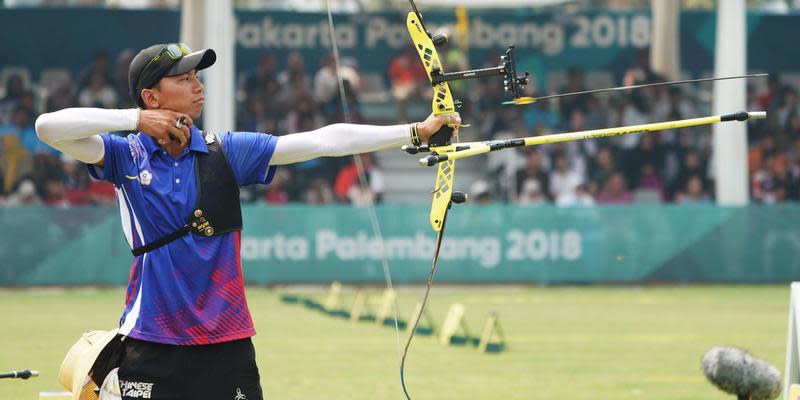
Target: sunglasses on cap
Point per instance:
(161, 62)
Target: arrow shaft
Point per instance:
(620, 88)
(530, 100)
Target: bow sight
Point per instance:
(512, 82)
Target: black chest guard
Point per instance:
(217, 209)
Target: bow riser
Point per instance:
(442, 103)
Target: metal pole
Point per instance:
(219, 79)
(665, 55)
(730, 140)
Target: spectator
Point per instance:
(635, 110)
(694, 193)
(260, 81)
(260, 109)
(533, 179)
(573, 104)
(55, 194)
(597, 115)
(563, 179)
(326, 89)
(642, 72)
(293, 82)
(481, 192)
(408, 78)
(15, 88)
(760, 183)
(677, 106)
(532, 193)
(769, 99)
(97, 93)
(539, 118)
(789, 109)
(650, 181)
(21, 127)
(758, 153)
(28, 102)
(276, 192)
(46, 167)
(779, 168)
(615, 191)
(257, 117)
(326, 81)
(648, 151)
(119, 80)
(303, 116)
(295, 72)
(102, 193)
(75, 180)
(25, 195)
(319, 192)
(603, 166)
(793, 128)
(15, 161)
(692, 165)
(348, 188)
(580, 197)
(62, 97)
(100, 67)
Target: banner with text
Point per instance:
(498, 243)
(546, 41)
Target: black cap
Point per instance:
(136, 82)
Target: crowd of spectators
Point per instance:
(673, 166)
(280, 99)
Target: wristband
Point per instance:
(415, 135)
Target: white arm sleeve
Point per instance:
(74, 131)
(338, 140)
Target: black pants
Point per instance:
(223, 371)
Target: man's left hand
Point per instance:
(433, 123)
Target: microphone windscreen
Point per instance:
(737, 372)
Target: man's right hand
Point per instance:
(160, 125)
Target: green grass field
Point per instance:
(561, 343)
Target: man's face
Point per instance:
(181, 93)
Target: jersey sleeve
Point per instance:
(117, 156)
(249, 154)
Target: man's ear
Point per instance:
(150, 98)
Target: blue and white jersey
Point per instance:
(190, 291)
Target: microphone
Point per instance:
(19, 374)
(737, 372)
